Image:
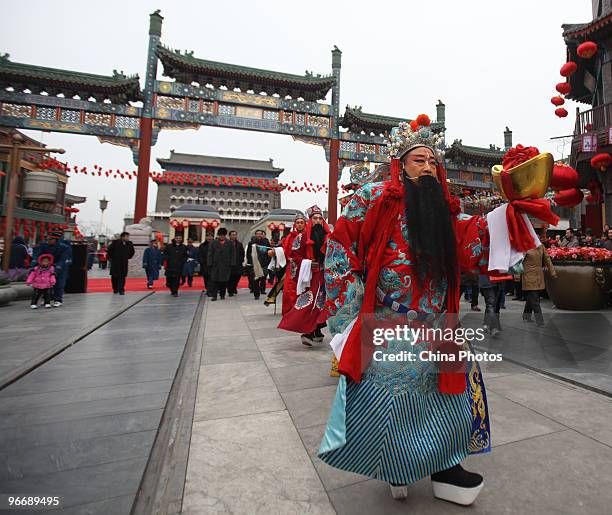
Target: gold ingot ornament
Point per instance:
(529, 179)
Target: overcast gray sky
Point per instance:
(493, 63)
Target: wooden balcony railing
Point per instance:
(594, 120)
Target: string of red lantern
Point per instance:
(585, 50)
(188, 178)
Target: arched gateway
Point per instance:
(203, 93)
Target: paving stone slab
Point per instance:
(235, 467)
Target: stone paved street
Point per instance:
(86, 424)
(263, 401)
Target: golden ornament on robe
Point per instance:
(529, 179)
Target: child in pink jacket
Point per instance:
(42, 279)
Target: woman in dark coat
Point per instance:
(175, 256)
(152, 261)
(19, 253)
(119, 254)
(533, 282)
(220, 258)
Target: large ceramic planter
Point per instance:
(579, 286)
(23, 290)
(7, 294)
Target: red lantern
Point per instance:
(564, 88)
(281, 226)
(271, 226)
(568, 69)
(174, 223)
(561, 112)
(214, 224)
(185, 224)
(601, 161)
(557, 100)
(587, 49)
(204, 224)
(569, 198)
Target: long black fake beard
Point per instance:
(430, 229)
(317, 235)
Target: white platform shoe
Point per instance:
(457, 485)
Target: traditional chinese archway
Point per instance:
(203, 93)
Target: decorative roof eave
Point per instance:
(490, 155)
(355, 119)
(117, 88)
(598, 27)
(208, 161)
(186, 68)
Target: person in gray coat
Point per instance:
(221, 255)
(533, 282)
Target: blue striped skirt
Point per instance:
(397, 427)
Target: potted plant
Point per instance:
(584, 278)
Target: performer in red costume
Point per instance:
(395, 254)
(306, 253)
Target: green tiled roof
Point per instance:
(184, 67)
(117, 88)
(458, 149)
(356, 120)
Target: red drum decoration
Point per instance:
(601, 161)
(568, 69)
(563, 178)
(557, 100)
(561, 112)
(569, 198)
(587, 49)
(564, 88)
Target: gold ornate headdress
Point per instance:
(417, 133)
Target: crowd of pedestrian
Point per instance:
(575, 238)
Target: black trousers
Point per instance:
(38, 293)
(118, 282)
(218, 288)
(174, 283)
(532, 305)
(232, 285)
(492, 306)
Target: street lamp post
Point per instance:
(15, 160)
(103, 205)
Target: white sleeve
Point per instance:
(305, 275)
(281, 260)
(339, 340)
